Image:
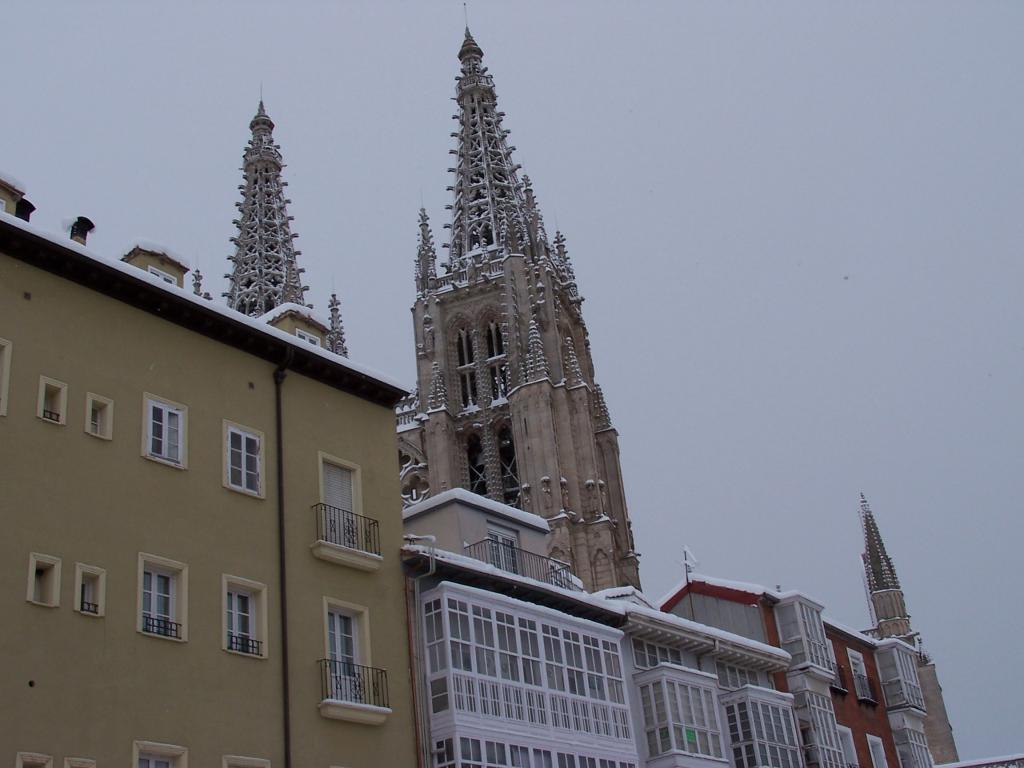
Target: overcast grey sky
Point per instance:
(798, 226)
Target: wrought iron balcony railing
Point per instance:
(519, 561)
(863, 687)
(156, 625)
(88, 607)
(245, 644)
(354, 683)
(51, 415)
(347, 529)
(839, 682)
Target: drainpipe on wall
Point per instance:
(419, 671)
(279, 376)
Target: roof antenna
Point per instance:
(465, 13)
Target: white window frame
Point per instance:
(175, 754)
(52, 563)
(245, 433)
(178, 572)
(357, 477)
(848, 745)
(167, 406)
(360, 616)
(167, 277)
(309, 338)
(79, 762)
(257, 592)
(874, 742)
(106, 429)
(98, 576)
(45, 384)
(33, 760)
(6, 353)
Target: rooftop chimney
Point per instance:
(81, 228)
(23, 209)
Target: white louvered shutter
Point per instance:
(338, 487)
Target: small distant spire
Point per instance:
(602, 419)
(536, 360)
(469, 47)
(878, 566)
(336, 335)
(197, 283)
(438, 398)
(573, 374)
(426, 255)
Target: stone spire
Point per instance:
(486, 178)
(336, 335)
(426, 256)
(536, 360)
(878, 567)
(265, 273)
(438, 397)
(573, 375)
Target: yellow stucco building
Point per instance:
(201, 527)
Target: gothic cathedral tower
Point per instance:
(506, 403)
(889, 614)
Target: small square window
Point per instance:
(245, 616)
(243, 459)
(167, 277)
(307, 337)
(43, 580)
(5, 373)
(53, 400)
(165, 437)
(90, 590)
(163, 598)
(33, 760)
(99, 416)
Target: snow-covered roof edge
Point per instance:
(180, 293)
(159, 249)
(480, 502)
(1018, 758)
(829, 621)
(739, 586)
(299, 309)
(12, 181)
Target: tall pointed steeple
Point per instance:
(878, 567)
(507, 392)
(486, 180)
(265, 272)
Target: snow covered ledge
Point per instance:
(353, 558)
(353, 712)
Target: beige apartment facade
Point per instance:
(187, 491)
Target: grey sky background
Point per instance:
(798, 227)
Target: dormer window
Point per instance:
(165, 276)
(307, 337)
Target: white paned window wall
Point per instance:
(467, 752)
(680, 710)
(762, 730)
(824, 733)
(499, 663)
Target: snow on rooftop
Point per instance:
(163, 250)
(12, 181)
(625, 593)
(740, 586)
(849, 630)
(481, 502)
(1007, 759)
(182, 294)
(300, 309)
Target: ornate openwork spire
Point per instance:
(426, 256)
(438, 396)
(265, 273)
(878, 567)
(336, 335)
(536, 360)
(486, 177)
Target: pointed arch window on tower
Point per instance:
(509, 471)
(476, 464)
(467, 367)
(497, 367)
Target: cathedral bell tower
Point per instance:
(507, 405)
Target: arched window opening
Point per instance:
(509, 471)
(477, 467)
(497, 368)
(467, 367)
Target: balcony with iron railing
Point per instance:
(523, 563)
(156, 625)
(353, 692)
(839, 682)
(89, 607)
(245, 644)
(347, 538)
